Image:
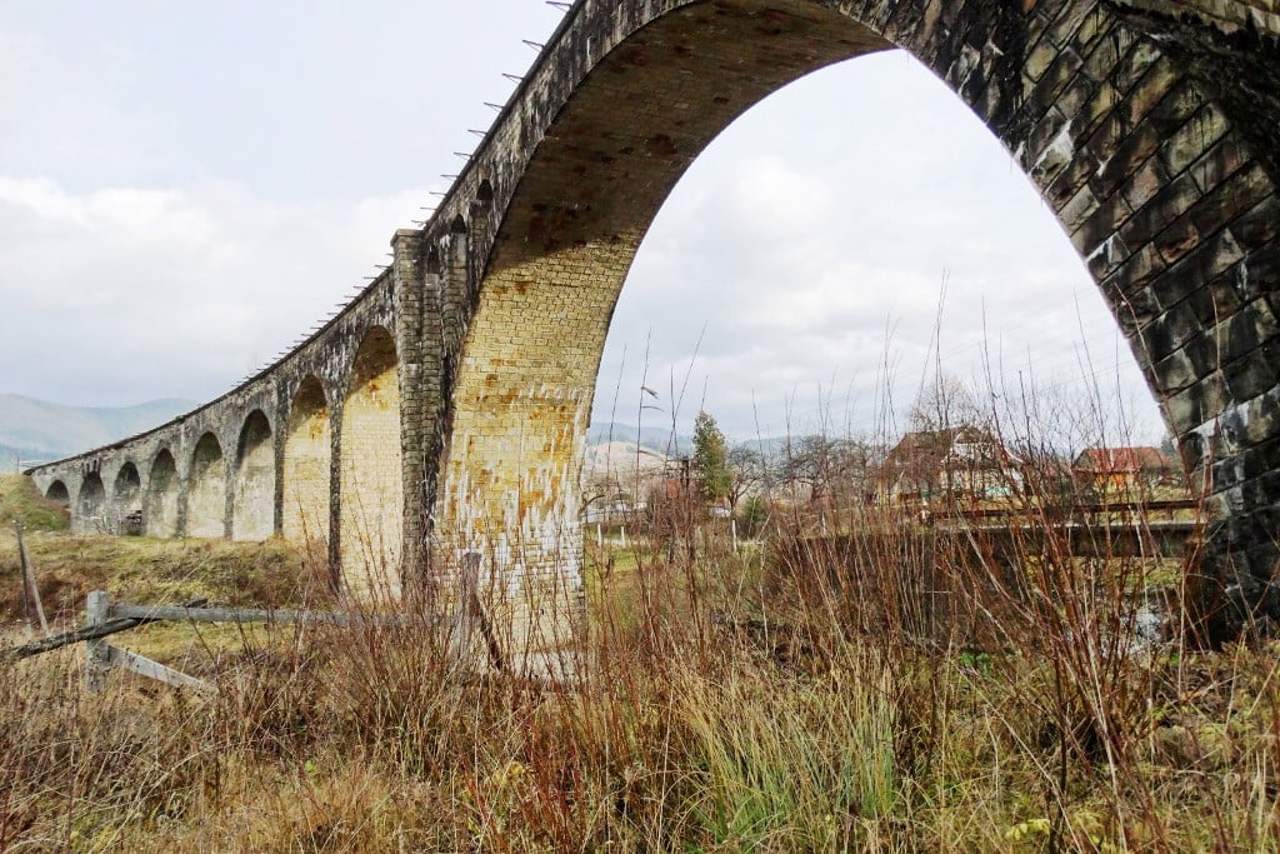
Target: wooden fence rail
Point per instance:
(104, 618)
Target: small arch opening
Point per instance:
(307, 455)
(253, 508)
(459, 225)
(126, 498)
(484, 195)
(91, 506)
(58, 494)
(161, 508)
(372, 492)
(207, 498)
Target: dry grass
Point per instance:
(138, 569)
(896, 696)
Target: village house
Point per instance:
(1115, 471)
(957, 463)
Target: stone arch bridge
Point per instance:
(445, 410)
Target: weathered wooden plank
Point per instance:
(87, 633)
(144, 666)
(252, 615)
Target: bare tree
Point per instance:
(746, 472)
(837, 468)
(945, 402)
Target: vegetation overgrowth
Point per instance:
(21, 502)
(908, 685)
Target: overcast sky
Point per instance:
(184, 188)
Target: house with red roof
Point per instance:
(1124, 469)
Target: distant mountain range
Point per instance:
(654, 438)
(36, 430)
(33, 431)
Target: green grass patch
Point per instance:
(20, 501)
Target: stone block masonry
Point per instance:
(372, 491)
(1151, 127)
(308, 451)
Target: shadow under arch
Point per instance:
(126, 497)
(91, 506)
(1136, 158)
(207, 490)
(308, 449)
(58, 494)
(253, 505)
(161, 506)
(371, 490)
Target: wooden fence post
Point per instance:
(97, 658)
(31, 592)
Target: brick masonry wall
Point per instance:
(126, 496)
(372, 512)
(207, 495)
(307, 457)
(253, 501)
(160, 512)
(90, 510)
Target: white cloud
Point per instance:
(801, 237)
(140, 293)
(181, 195)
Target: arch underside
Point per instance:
(90, 516)
(207, 491)
(254, 501)
(1160, 194)
(161, 507)
(371, 491)
(307, 454)
(527, 377)
(58, 493)
(127, 499)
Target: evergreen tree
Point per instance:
(710, 459)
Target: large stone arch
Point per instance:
(371, 492)
(1164, 185)
(308, 449)
(207, 490)
(161, 506)
(90, 516)
(126, 496)
(253, 502)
